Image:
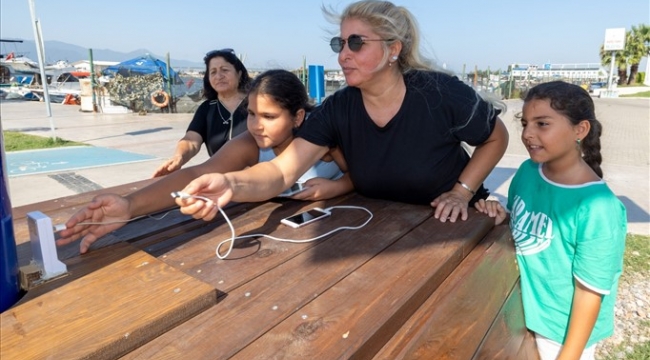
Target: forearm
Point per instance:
(157, 196)
(485, 157)
(584, 313)
(340, 187)
(267, 179)
(186, 150)
(258, 183)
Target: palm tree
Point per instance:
(621, 62)
(637, 46)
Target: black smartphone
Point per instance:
(305, 218)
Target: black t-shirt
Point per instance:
(418, 155)
(213, 125)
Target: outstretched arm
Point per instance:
(110, 212)
(186, 149)
(257, 183)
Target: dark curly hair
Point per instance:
(228, 55)
(577, 105)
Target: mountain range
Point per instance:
(57, 50)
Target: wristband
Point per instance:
(466, 187)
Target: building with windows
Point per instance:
(570, 72)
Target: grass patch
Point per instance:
(641, 94)
(15, 141)
(638, 352)
(637, 253)
(635, 260)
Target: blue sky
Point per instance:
(280, 33)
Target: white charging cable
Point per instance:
(182, 195)
(233, 237)
(60, 227)
(178, 194)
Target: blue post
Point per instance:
(9, 282)
(316, 82)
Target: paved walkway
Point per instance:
(625, 148)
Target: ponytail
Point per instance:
(590, 147)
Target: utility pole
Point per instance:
(41, 63)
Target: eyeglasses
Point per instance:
(354, 42)
(214, 53)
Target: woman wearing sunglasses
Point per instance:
(399, 124)
(218, 119)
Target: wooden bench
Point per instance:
(406, 286)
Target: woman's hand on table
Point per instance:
(451, 205)
(104, 214)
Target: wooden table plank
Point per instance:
(270, 295)
(508, 333)
(355, 317)
(453, 321)
(104, 314)
(81, 266)
(251, 258)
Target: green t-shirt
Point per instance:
(562, 233)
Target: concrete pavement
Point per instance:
(625, 148)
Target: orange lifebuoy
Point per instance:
(70, 100)
(154, 98)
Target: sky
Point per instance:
(272, 34)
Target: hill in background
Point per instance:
(57, 50)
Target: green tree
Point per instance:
(621, 62)
(637, 46)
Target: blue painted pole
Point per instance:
(9, 280)
(316, 82)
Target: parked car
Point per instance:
(597, 85)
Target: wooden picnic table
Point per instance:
(406, 286)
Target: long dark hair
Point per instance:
(577, 105)
(228, 55)
(284, 87)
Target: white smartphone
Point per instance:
(305, 218)
(294, 189)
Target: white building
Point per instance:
(84, 65)
(585, 71)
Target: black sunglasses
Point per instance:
(354, 42)
(214, 53)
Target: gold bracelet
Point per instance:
(466, 187)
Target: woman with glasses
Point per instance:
(400, 124)
(277, 105)
(218, 119)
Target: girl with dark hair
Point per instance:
(218, 119)
(569, 228)
(277, 105)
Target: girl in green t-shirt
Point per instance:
(568, 227)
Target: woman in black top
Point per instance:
(399, 123)
(218, 119)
